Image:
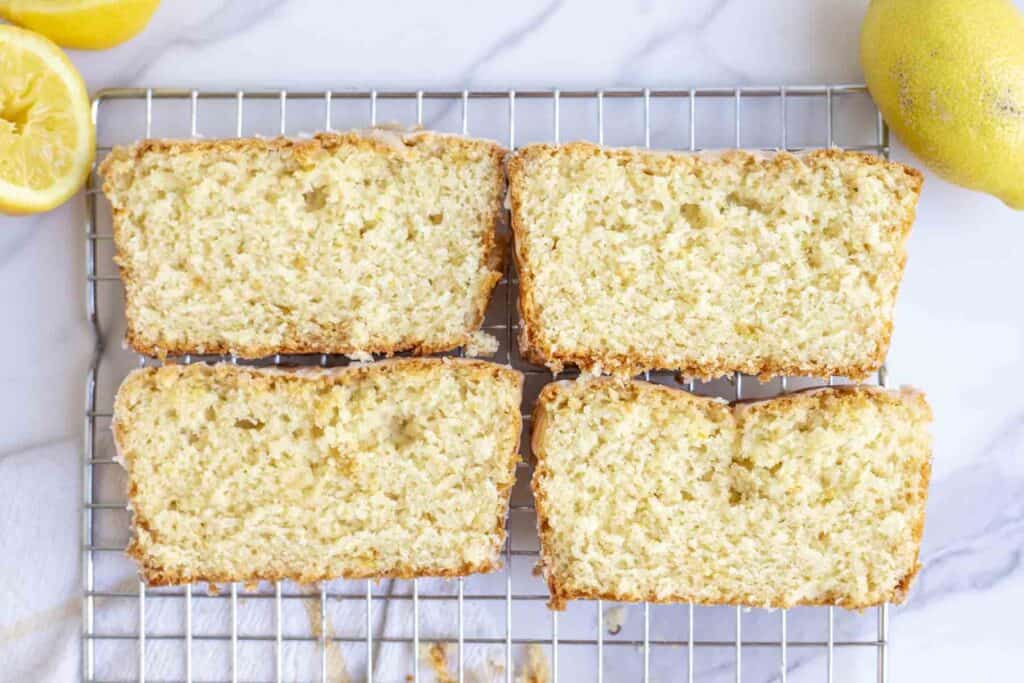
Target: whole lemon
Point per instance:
(948, 77)
(82, 24)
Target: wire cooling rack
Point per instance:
(481, 628)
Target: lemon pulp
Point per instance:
(46, 136)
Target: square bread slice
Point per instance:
(631, 260)
(645, 492)
(363, 242)
(397, 469)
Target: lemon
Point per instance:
(83, 24)
(948, 77)
(46, 131)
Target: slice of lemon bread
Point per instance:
(649, 493)
(397, 469)
(709, 263)
(369, 241)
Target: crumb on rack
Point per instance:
(535, 669)
(614, 618)
(436, 655)
(481, 344)
(494, 668)
(336, 668)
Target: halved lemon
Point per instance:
(83, 24)
(47, 141)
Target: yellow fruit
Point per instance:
(46, 132)
(83, 24)
(948, 77)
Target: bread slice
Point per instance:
(397, 469)
(363, 242)
(632, 260)
(644, 492)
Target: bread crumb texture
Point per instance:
(649, 493)
(709, 263)
(398, 469)
(336, 244)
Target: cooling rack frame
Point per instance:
(102, 289)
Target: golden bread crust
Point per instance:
(563, 588)
(332, 341)
(154, 574)
(538, 347)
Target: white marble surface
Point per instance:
(959, 320)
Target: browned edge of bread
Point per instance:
(494, 245)
(560, 594)
(156, 575)
(536, 348)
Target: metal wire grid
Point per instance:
(98, 231)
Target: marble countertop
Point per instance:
(959, 320)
